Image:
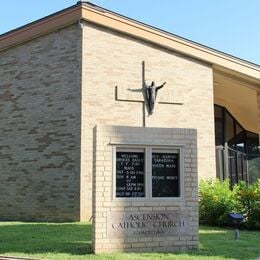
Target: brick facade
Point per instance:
(40, 128)
(111, 59)
(56, 88)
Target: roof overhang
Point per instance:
(40, 27)
(91, 13)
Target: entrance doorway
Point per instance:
(234, 147)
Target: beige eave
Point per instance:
(220, 61)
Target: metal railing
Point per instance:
(253, 167)
(231, 164)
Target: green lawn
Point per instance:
(73, 241)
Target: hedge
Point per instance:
(217, 200)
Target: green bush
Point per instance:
(248, 197)
(217, 200)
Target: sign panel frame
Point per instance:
(171, 165)
(148, 150)
(162, 223)
(130, 161)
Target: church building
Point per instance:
(159, 101)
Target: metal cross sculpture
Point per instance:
(150, 93)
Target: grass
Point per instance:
(73, 241)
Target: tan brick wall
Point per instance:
(104, 204)
(40, 128)
(111, 59)
(40, 99)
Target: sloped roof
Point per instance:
(103, 17)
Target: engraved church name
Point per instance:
(163, 223)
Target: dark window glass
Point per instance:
(240, 138)
(165, 174)
(226, 126)
(129, 174)
(252, 141)
(230, 137)
(239, 129)
(218, 125)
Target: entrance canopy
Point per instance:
(239, 98)
(236, 128)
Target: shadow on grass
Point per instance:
(37, 238)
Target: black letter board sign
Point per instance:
(129, 174)
(165, 175)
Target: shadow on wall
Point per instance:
(37, 238)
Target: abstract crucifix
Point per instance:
(150, 93)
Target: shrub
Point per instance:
(248, 197)
(217, 200)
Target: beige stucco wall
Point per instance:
(111, 59)
(40, 128)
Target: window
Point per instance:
(228, 130)
(165, 174)
(147, 172)
(219, 133)
(130, 173)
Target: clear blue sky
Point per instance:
(231, 26)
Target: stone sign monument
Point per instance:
(145, 189)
